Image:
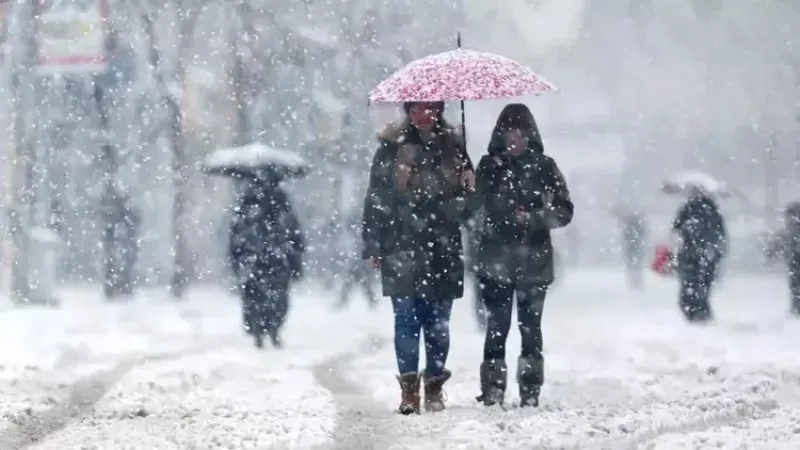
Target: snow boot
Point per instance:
(259, 340)
(494, 377)
(275, 338)
(409, 393)
(434, 393)
(530, 376)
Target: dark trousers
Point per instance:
(413, 317)
(498, 299)
(265, 305)
(634, 267)
(478, 308)
(697, 277)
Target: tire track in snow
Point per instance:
(83, 395)
(729, 416)
(361, 421)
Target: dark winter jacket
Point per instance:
(266, 241)
(512, 251)
(415, 231)
(701, 227)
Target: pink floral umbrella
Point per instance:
(460, 74)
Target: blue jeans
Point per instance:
(413, 317)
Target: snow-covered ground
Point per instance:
(623, 371)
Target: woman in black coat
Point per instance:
(266, 250)
(703, 245)
(524, 196)
(413, 211)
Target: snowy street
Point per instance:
(623, 371)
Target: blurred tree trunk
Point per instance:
(239, 80)
(170, 84)
(23, 58)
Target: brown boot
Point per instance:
(409, 391)
(434, 394)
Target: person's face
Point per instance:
(424, 115)
(516, 141)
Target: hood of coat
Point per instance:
(515, 116)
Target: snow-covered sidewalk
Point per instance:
(623, 371)
(156, 374)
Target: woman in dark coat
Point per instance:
(524, 196)
(703, 245)
(266, 250)
(413, 211)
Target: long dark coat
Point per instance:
(704, 238)
(415, 233)
(511, 252)
(266, 241)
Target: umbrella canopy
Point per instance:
(686, 182)
(460, 75)
(253, 160)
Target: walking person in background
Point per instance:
(634, 235)
(703, 245)
(357, 274)
(415, 205)
(524, 196)
(120, 246)
(472, 228)
(266, 251)
(787, 245)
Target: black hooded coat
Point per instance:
(513, 252)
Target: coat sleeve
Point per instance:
(558, 208)
(681, 218)
(376, 204)
(297, 242)
(487, 177)
(296, 236)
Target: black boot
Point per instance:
(259, 340)
(530, 376)
(494, 378)
(275, 337)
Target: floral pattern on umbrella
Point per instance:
(460, 75)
